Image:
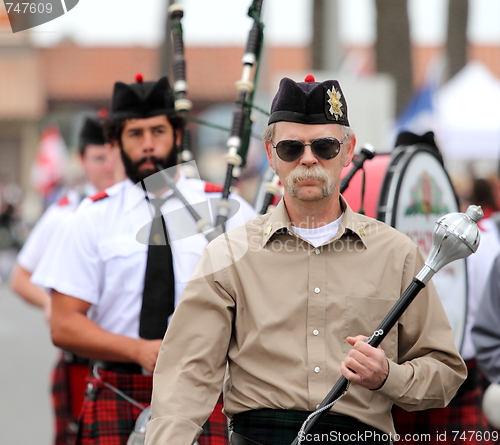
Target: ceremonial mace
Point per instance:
(456, 236)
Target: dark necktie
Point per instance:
(159, 292)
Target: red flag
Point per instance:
(50, 164)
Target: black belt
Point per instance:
(74, 359)
(267, 426)
(238, 439)
(120, 367)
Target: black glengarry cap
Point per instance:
(309, 102)
(91, 132)
(142, 100)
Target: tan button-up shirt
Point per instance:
(277, 312)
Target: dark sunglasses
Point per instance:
(290, 150)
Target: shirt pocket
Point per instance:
(362, 316)
(124, 260)
(120, 247)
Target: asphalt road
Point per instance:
(26, 360)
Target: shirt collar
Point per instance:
(279, 222)
(134, 193)
(352, 222)
(89, 189)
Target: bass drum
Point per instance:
(410, 190)
(374, 171)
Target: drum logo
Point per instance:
(426, 197)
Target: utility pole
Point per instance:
(456, 42)
(326, 48)
(393, 48)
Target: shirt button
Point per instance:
(317, 251)
(317, 369)
(315, 332)
(317, 290)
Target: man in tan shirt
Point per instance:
(279, 309)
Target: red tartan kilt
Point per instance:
(77, 384)
(462, 421)
(108, 419)
(444, 425)
(68, 390)
(215, 428)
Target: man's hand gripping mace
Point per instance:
(455, 237)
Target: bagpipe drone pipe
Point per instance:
(180, 87)
(239, 137)
(241, 129)
(270, 190)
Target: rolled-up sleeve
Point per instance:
(73, 266)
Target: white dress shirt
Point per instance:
(101, 253)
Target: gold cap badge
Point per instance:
(335, 103)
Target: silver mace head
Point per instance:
(137, 437)
(456, 236)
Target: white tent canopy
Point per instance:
(468, 115)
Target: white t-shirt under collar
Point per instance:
(319, 235)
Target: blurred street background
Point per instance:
(27, 358)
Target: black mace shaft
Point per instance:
(377, 337)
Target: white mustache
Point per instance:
(301, 172)
(314, 172)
